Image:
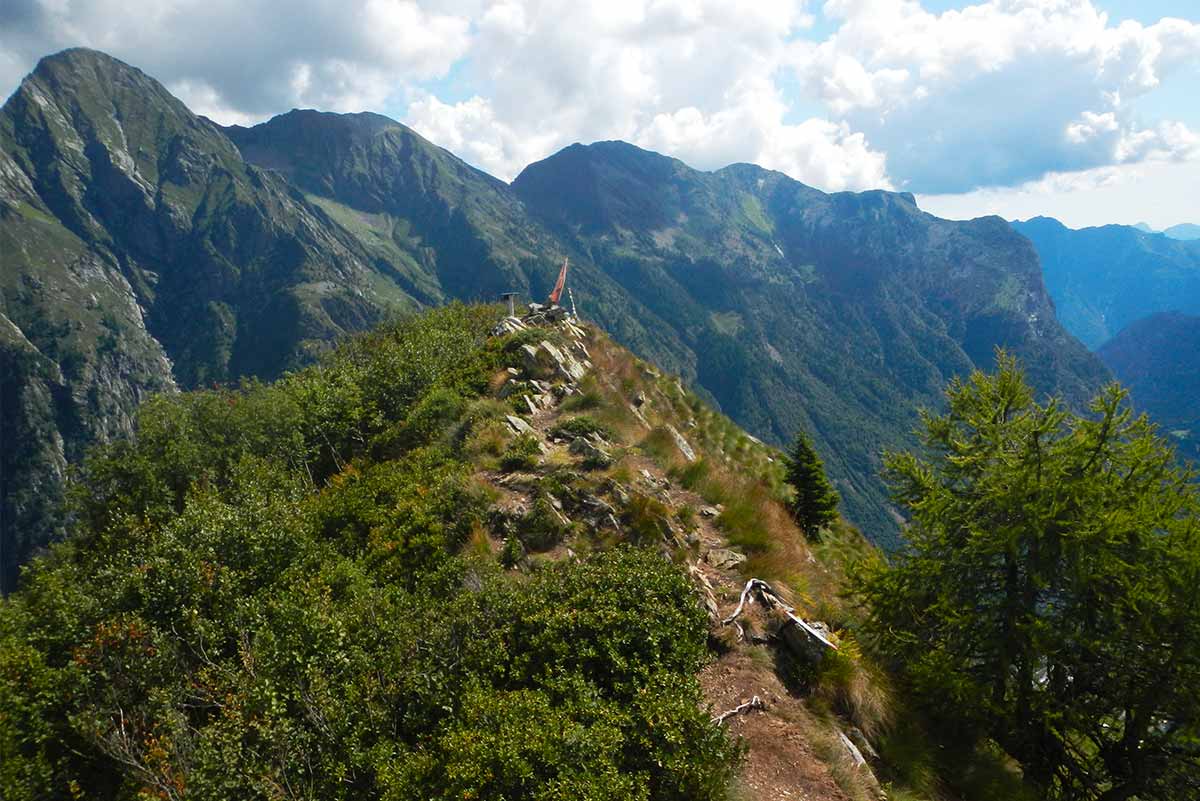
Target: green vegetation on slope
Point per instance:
(1049, 596)
(141, 252)
(156, 248)
(1103, 279)
(1158, 359)
(272, 592)
(792, 309)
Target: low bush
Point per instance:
(647, 520)
(257, 602)
(521, 454)
(542, 528)
(580, 426)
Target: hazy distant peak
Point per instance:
(1185, 231)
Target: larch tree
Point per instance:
(1048, 597)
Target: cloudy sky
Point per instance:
(1088, 110)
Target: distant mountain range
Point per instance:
(786, 306)
(1183, 231)
(146, 248)
(1158, 359)
(1103, 279)
(1132, 296)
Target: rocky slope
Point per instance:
(141, 252)
(1103, 279)
(1158, 359)
(680, 476)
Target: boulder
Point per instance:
(637, 413)
(571, 370)
(682, 444)
(529, 357)
(519, 426)
(593, 450)
(550, 348)
(724, 558)
(509, 325)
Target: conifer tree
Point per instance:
(1048, 596)
(815, 502)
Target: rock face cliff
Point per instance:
(145, 248)
(141, 253)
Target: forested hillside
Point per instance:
(1158, 358)
(1104, 279)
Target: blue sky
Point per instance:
(1081, 109)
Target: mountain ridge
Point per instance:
(141, 254)
(218, 253)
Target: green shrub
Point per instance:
(647, 520)
(585, 400)
(266, 593)
(541, 528)
(521, 454)
(581, 426)
(512, 553)
(660, 446)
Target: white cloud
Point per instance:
(696, 80)
(817, 151)
(1002, 92)
(248, 59)
(1161, 193)
(999, 92)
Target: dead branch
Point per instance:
(740, 709)
(771, 600)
